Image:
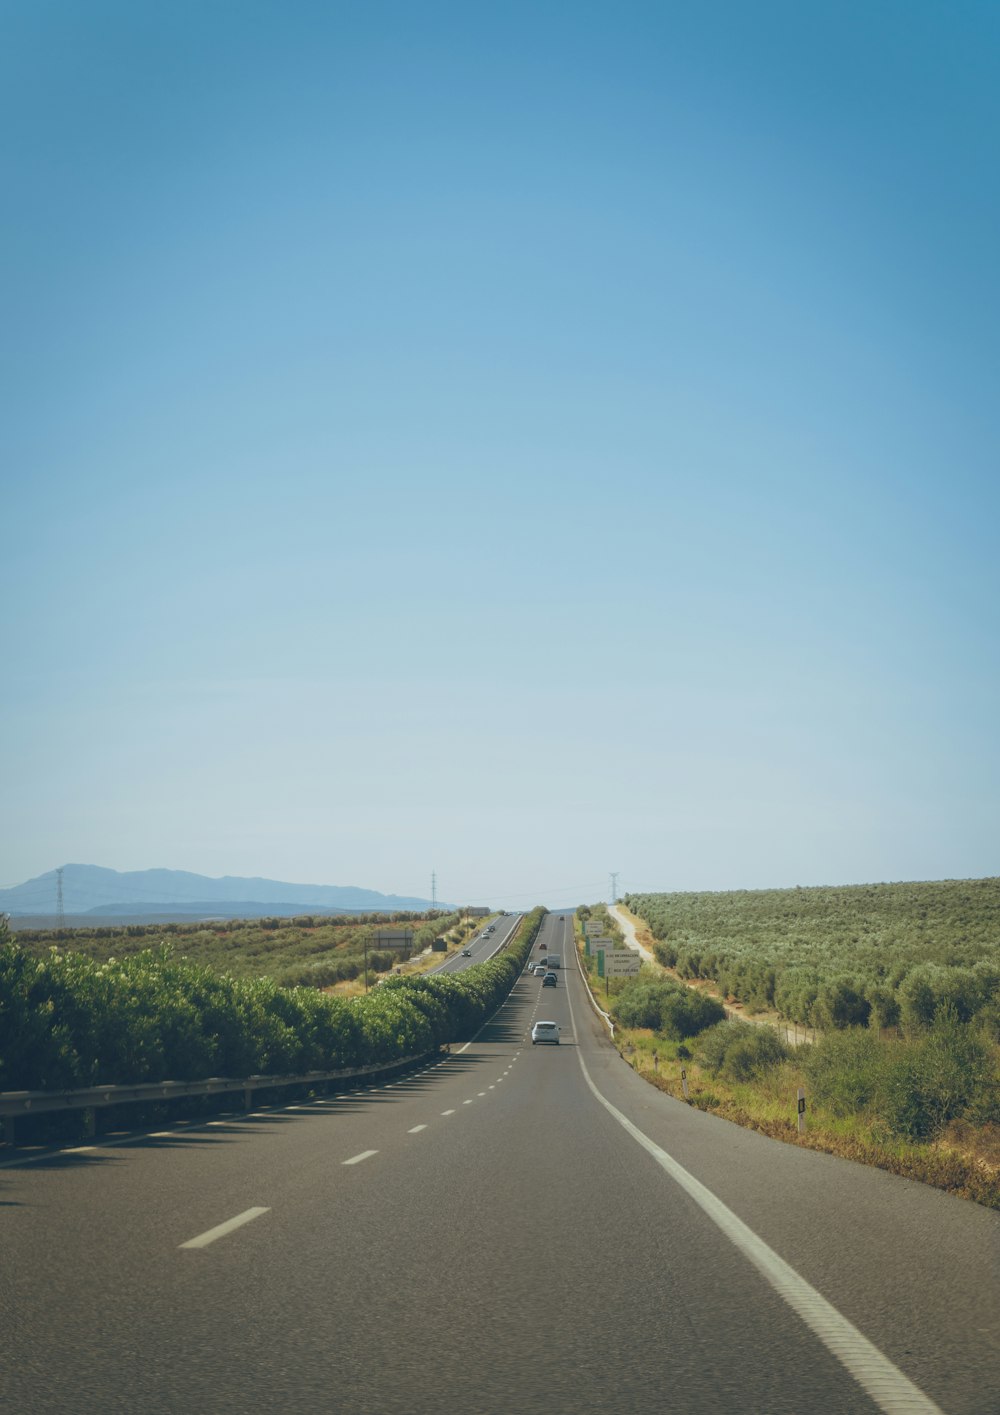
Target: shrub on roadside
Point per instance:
(844, 1070)
(665, 953)
(947, 1073)
(916, 1084)
(841, 1003)
(740, 1051)
(666, 1007)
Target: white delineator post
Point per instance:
(802, 1111)
(684, 1082)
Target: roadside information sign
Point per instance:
(621, 963)
(393, 938)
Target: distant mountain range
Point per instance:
(92, 891)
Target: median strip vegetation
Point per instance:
(920, 1098)
(69, 1021)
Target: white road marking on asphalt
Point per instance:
(447, 1112)
(466, 1102)
(364, 1155)
(220, 1231)
(81, 1149)
(890, 1390)
(481, 1093)
(137, 1136)
(416, 1129)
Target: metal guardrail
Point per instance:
(15, 1104)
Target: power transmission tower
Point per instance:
(614, 886)
(60, 910)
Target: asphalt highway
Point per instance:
(514, 1229)
(484, 945)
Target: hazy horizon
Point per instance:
(568, 902)
(521, 444)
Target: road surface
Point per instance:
(514, 1229)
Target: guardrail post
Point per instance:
(90, 1122)
(248, 1098)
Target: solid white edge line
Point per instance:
(220, 1231)
(892, 1391)
(364, 1155)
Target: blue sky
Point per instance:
(523, 442)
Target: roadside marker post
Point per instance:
(802, 1111)
(684, 1082)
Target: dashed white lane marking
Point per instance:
(493, 1087)
(416, 1129)
(481, 1093)
(890, 1390)
(466, 1102)
(447, 1112)
(220, 1231)
(364, 1155)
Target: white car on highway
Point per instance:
(545, 1032)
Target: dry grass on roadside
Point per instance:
(964, 1160)
(348, 987)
